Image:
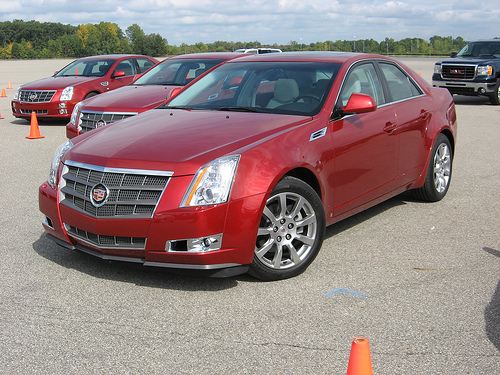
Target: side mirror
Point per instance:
(173, 93)
(118, 73)
(453, 54)
(359, 103)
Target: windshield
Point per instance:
(177, 72)
(86, 67)
(481, 49)
(271, 87)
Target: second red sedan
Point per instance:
(147, 92)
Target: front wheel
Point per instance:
(495, 97)
(291, 231)
(439, 171)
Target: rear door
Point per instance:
(413, 111)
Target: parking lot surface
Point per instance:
(421, 281)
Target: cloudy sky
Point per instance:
(272, 21)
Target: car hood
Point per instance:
(56, 83)
(129, 98)
(469, 60)
(178, 141)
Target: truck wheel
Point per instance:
(495, 97)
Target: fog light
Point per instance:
(63, 105)
(63, 111)
(481, 90)
(195, 245)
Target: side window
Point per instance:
(100, 69)
(144, 64)
(362, 79)
(400, 85)
(126, 66)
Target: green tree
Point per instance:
(137, 39)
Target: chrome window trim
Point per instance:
(377, 61)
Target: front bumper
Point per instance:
(53, 109)
(236, 221)
(466, 87)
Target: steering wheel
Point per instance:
(307, 96)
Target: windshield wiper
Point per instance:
(237, 109)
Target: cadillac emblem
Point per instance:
(99, 195)
(101, 123)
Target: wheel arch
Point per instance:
(91, 93)
(449, 135)
(308, 177)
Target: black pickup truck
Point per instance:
(475, 70)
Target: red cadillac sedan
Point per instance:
(243, 170)
(55, 97)
(147, 92)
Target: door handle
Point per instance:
(390, 126)
(424, 114)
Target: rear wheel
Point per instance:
(439, 171)
(291, 231)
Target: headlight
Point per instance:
(212, 183)
(67, 94)
(75, 115)
(437, 68)
(61, 150)
(485, 70)
(16, 95)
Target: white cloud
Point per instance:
(270, 21)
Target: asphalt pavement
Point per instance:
(421, 281)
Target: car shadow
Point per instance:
(471, 100)
(132, 273)
(369, 213)
(492, 311)
(164, 278)
(41, 122)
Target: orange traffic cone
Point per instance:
(9, 85)
(360, 362)
(34, 131)
(4, 95)
(1, 117)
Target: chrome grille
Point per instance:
(458, 71)
(32, 96)
(99, 240)
(130, 193)
(90, 120)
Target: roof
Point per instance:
(112, 56)
(309, 56)
(207, 55)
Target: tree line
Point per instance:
(36, 40)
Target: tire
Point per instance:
(439, 171)
(91, 94)
(291, 231)
(495, 98)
